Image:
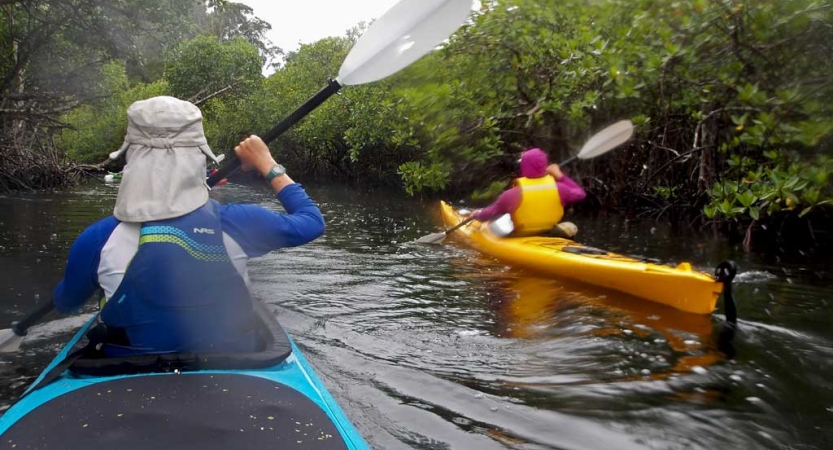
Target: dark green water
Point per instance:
(440, 348)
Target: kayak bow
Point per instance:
(268, 399)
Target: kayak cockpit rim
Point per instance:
(273, 348)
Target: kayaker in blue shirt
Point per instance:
(170, 263)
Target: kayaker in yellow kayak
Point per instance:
(536, 202)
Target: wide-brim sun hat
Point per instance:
(166, 153)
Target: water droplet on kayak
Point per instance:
(461, 421)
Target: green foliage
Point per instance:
(96, 130)
(229, 20)
(70, 68)
(361, 133)
(205, 65)
(665, 192)
(732, 101)
(507, 82)
(714, 87)
(60, 46)
(420, 178)
(764, 191)
(318, 139)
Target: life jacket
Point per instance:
(180, 292)
(540, 207)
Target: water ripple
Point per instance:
(438, 347)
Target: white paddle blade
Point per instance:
(401, 36)
(607, 139)
(9, 341)
(436, 238)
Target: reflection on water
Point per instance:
(538, 308)
(439, 347)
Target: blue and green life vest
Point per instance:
(180, 292)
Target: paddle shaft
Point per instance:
(569, 160)
(22, 327)
(459, 225)
(332, 87)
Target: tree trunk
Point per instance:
(708, 139)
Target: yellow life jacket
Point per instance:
(540, 207)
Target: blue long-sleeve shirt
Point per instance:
(256, 230)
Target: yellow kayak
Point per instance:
(679, 287)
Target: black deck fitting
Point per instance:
(725, 273)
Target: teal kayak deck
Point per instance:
(214, 406)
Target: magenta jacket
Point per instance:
(509, 200)
(533, 165)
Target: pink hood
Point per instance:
(534, 163)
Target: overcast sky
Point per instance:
(306, 21)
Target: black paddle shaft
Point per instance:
(332, 87)
(22, 327)
(459, 225)
(569, 160)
